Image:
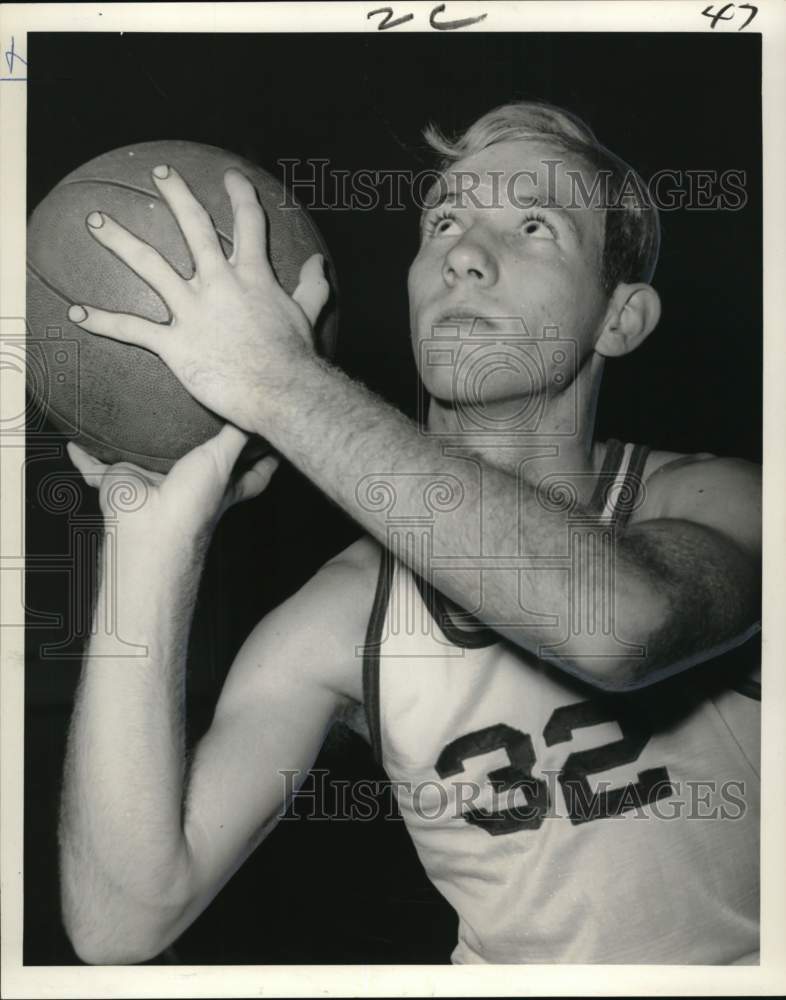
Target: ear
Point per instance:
(632, 314)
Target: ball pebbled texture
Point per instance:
(119, 401)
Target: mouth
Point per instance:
(460, 316)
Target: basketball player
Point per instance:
(537, 611)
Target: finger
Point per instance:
(250, 224)
(92, 470)
(313, 289)
(255, 480)
(118, 326)
(140, 256)
(228, 443)
(89, 464)
(192, 217)
(220, 452)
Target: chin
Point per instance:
(440, 384)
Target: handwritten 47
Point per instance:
(721, 15)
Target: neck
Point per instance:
(547, 436)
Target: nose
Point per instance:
(470, 260)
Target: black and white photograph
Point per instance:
(389, 394)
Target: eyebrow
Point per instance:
(450, 198)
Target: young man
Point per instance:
(550, 788)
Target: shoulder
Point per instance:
(671, 461)
(341, 593)
(314, 635)
(360, 559)
(718, 492)
(345, 583)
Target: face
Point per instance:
(502, 257)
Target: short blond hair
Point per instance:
(632, 228)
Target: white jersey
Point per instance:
(562, 824)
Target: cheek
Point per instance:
(418, 271)
(414, 295)
(412, 275)
(542, 296)
(550, 293)
(423, 283)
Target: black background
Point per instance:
(354, 892)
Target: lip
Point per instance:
(462, 316)
(460, 313)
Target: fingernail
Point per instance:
(161, 171)
(95, 220)
(77, 314)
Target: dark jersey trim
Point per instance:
(627, 498)
(371, 652)
(476, 636)
(751, 689)
(611, 463)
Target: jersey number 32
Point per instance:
(583, 804)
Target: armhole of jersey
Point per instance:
(478, 636)
(371, 700)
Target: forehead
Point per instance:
(523, 173)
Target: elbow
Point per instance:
(610, 674)
(625, 650)
(602, 661)
(656, 661)
(612, 662)
(112, 924)
(128, 952)
(119, 942)
(122, 932)
(626, 675)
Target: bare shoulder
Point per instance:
(312, 639)
(719, 492)
(344, 590)
(361, 558)
(671, 461)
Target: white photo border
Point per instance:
(247, 981)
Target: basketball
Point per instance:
(121, 402)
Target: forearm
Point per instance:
(123, 855)
(486, 537)
(619, 609)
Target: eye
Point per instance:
(440, 223)
(536, 225)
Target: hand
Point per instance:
(186, 502)
(233, 328)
